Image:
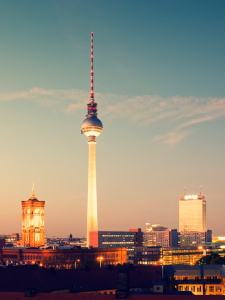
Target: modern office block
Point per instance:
(192, 213)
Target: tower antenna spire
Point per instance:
(33, 189)
(184, 191)
(200, 190)
(92, 72)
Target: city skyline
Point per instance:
(159, 86)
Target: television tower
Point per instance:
(92, 127)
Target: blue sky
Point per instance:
(159, 83)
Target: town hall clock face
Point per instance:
(36, 211)
(28, 211)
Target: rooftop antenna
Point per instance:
(184, 191)
(92, 72)
(200, 190)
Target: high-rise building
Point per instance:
(92, 127)
(33, 218)
(192, 213)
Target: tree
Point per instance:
(212, 259)
(92, 263)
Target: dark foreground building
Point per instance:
(142, 282)
(198, 279)
(34, 279)
(53, 296)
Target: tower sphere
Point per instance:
(92, 126)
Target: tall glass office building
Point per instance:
(192, 213)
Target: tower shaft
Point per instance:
(92, 219)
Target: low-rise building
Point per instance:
(117, 239)
(199, 279)
(63, 257)
(173, 255)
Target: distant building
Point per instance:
(148, 256)
(192, 213)
(219, 240)
(195, 238)
(33, 227)
(10, 240)
(116, 239)
(156, 235)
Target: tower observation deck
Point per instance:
(92, 127)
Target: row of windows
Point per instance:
(117, 242)
(198, 289)
(36, 211)
(31, 257)
(79, 256)
(118, 235)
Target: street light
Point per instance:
(100, 259)
(77, 260)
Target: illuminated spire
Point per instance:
(33, 195)
(200, 190)
(92, 72)
(92, 106)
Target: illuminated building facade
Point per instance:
(173, 255)
(33, 218)
(192, 213)
(156, 235)
(92, 127)
(184, 255)
(63, 258)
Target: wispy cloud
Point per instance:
(173, 138)
(183, 112)
(47, 97)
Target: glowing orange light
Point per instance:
(200, 247)
(76, 263)
(100, 259)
